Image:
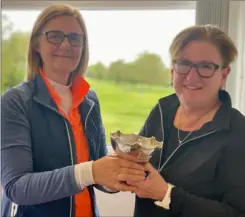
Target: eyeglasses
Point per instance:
(57, 37)
(204, 69)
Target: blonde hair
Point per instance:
(34, 59)
(209, 33)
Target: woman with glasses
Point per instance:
(53, 141)
(199, 172)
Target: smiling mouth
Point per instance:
(192, 87)
(62, 56)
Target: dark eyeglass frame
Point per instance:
(68, 36)
(196, 66)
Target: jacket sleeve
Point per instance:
(21, 184)
(230, 182)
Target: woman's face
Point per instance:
(58, 54)
(191, 88)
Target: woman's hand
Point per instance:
(154, 186)
(114, 172)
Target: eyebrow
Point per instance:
(56, 30)
(202, 61)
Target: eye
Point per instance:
(76, 38)
(184, 62)
(206, 66)
(54, 35)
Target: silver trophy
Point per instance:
(133, 145)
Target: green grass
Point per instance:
(125, 107)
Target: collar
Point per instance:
(222, 118)
(79, 88)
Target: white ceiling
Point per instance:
(103, 5)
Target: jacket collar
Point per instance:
(222, 118)
(221, 121)
(42, 96)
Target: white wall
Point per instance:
(120, 204)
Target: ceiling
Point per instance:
(99, 5)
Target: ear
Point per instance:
(225, 75)
(37, 47)
(172, 75)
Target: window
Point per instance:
(129, 59)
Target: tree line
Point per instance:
(146, 68)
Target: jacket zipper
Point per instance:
(85, 124)
(160, 160)
(195, 138)
(72, 160)
(86, 119)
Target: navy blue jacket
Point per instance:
(38, 151)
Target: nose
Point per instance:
(65, 44)
(193, 75)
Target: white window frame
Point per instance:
(104, 5)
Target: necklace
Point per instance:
(180, 142)
(193, 129)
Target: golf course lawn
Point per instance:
(125, 106)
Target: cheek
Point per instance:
(178, 81)
(46, 51)
(77, 55)
(77, 52)
(215, 83)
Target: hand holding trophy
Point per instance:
(139, 149)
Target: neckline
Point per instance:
(204, 126)
(54, 83)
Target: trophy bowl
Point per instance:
(133, 145)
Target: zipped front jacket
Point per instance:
(38, 152)
(208, 169)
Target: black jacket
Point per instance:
(208, 169)
(38, 151)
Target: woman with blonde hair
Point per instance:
(53, 140)
(200, 170)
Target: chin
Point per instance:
(191, 100)
(63, 67)
(193, 103)
(192, 94)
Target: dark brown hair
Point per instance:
(209, 33)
